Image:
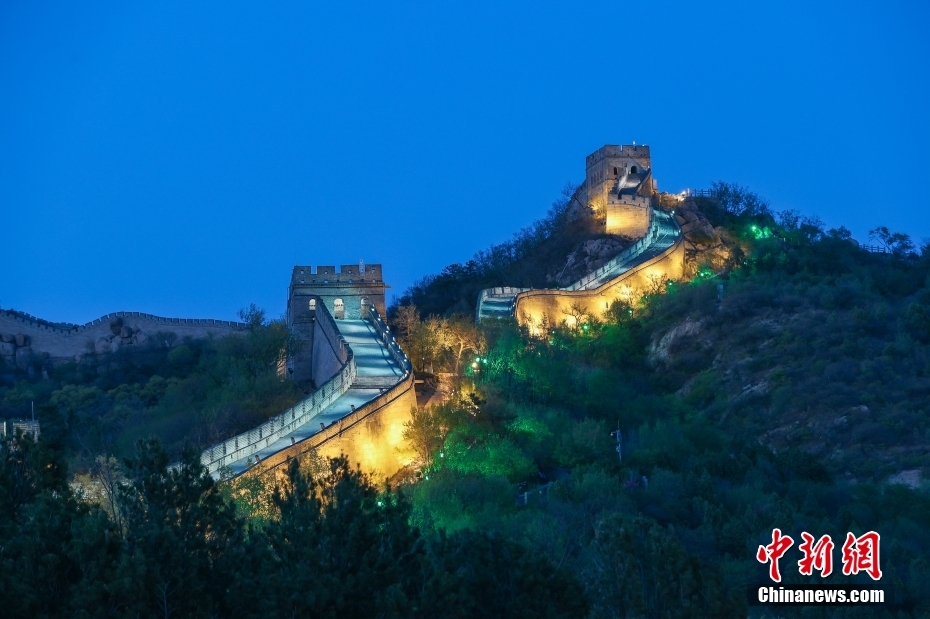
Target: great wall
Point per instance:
(363, 381)
(22, 335)
(619, 190)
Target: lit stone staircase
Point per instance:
(497, 302)
(377, 369)
(376, 364)
(663, 233)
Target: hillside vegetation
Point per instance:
(192, 391)
(790, 403)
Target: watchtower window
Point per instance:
(633, 169)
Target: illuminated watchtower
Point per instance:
(619, 186)
(347, 293)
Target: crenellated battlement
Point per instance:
(639, 152)
(347, 292)
(327, 274)
(632, 200)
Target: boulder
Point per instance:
(660, 351)
(910, 478)
(116, 325)
(23, 357)
(105, 344)
(125, 332)
(139, 338)
(6, 337)
(7, 349)
(22, 340)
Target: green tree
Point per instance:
(179, 532)
(425, 433)
(642, 570)
(340, 547)
(896, 243)
(472, 574)
(36, 572)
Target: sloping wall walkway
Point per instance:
(660, 254)
(361, 412)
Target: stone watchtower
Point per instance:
(619, 187)
(347, 295)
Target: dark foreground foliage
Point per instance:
(175, 546)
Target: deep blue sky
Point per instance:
(179, 158)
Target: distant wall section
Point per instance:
(105, 334)
(536, 308)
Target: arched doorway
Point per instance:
(312, 306)
(365, 306)
(633, 169)
(339, 309)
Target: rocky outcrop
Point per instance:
(16, 349)
(121, 336)
(659, 351)
(910, 478)
(694, 225)
(705, 245)
(589, 256)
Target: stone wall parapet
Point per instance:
(635, 200)
(249, 443)
(389, 340)
(372, 407)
